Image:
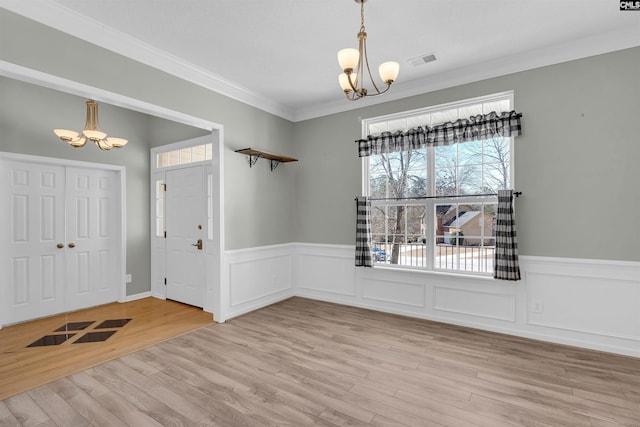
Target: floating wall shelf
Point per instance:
(274, 159)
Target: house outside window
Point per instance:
(435, 208)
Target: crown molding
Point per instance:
(620, 39)
(73, 23)
(57, 16)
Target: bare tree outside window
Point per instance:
(396, 176)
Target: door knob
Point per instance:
(72, 245)
(60, 245)
(198, 244)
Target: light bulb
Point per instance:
(348, 58)
(389, 71)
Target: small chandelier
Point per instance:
(354, 63)
(91, 132)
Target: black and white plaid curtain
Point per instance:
(475, 128)
(506, 266)
(363, 233)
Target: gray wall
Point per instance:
(258, 203)
(577, 162)
(29, 113)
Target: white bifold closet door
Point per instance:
(60, 230)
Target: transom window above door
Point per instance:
(184, 156)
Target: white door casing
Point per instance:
(185, 226)
(215, 281)
(44, 209)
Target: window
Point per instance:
(159, 199)
(434, 208)
(184, 156)
(210, 206)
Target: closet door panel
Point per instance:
(31, 228)
(92, 216)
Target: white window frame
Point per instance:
(430, 203)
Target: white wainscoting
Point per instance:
(256, 277)
(481, 304)
(586, 303)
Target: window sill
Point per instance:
(439, 273)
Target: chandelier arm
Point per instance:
(351, 82)
(362, 50)
(352, 95)
(380, 92)
(366, 60)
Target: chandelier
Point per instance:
(91, 132)
(355, 64)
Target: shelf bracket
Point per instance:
(253, 158)
(274, 159)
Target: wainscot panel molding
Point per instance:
(256, 277)
(481, 304)
(586, 303)
(328, 269)
(388, 291)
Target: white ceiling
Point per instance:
(280, 55)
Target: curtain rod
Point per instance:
(515, 193)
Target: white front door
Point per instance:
(60, 229)
(185, 227)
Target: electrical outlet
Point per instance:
(538, 307)
(128, 278)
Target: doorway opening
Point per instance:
(185, 222)
(214, 276)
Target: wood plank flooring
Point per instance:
(152, 321)
(302, 362)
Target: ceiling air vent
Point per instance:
(422, 59)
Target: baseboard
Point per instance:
(260, 303)
(134, 297)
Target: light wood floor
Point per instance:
(152, 321)
(303, 362)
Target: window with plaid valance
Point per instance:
(432, 189)
(475, 128)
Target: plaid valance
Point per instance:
(475, 128)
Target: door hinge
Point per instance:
(165, 234)
(164, 187)
(165, 281)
